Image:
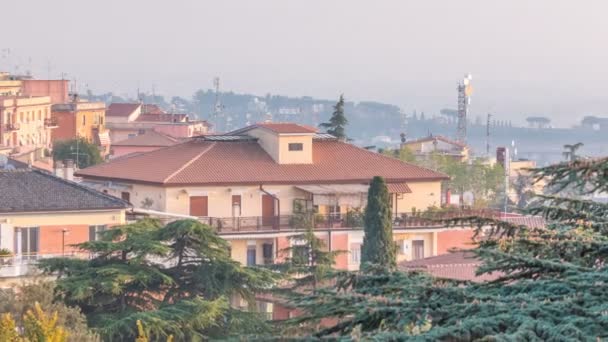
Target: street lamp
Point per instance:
(64, 232)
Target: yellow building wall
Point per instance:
(277, 146)
(220, 199)
(295, 157)
(423, 195)
(30, 114)
(86, 120)
(65, 218)
(430, 244)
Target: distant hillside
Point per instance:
(378, 124)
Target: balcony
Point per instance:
(297, 222)
(25, 264)
(50, 123)
(11, 127)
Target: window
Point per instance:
(296, 146)
(84, 120)
(417, 249)
(355, 253)
(95, 230)
(125, 196)
(131, 135)
(28, 240)
(334, 211)
(236, 205)
(251, 255)
(267, 253)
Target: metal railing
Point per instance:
(297, 222)
(25, 264)
(51, 122)
(12, 127)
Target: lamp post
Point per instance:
(64, 232)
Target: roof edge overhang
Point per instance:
(73, 210)
(335, 181)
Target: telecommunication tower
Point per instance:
(464, 99)
(217, 108)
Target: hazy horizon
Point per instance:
(527, 58)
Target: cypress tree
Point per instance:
(378, 246)
(338, 121)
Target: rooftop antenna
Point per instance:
(217, 109)
(464, 99)
(488, 135)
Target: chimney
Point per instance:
(59, 168)
(68, 173)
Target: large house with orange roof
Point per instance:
(252, 184)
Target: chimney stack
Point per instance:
(59, 168)
(68, 173)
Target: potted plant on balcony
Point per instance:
(5, 257)
(354, 218)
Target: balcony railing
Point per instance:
(297, 222)
(12, 127)
(50, 122)
(26, 264)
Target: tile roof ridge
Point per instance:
(181, 168)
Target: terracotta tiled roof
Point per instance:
(458, 266)
(148, 138)
(436, 137)
(278, 127)
(121, 109)
(165, 117)
(528, 221)
(49, 193)
(204, 162)
(399, 188)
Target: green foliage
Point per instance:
(378, 247)
(550, 286)
(18, 301)
(404, 154)
(79, 149)
(177, 280)
(354, 217)
(337, 122)
(484, 181)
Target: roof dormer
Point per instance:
(286, 143)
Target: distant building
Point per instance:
(16, 85)
(146, 141)
(81, 119)
(25, 124)
(436, 144)
(127, 120)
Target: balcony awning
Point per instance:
(398, 188)
(352, 195)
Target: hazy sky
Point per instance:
(536, 57)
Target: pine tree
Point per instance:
(550, 285)
(337, 122)
(177, 280)
(378, 247)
